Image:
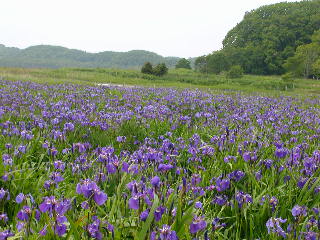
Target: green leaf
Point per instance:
(306, 192)
(179, 212)
(73, 230)
(185, 221)
(143, 232)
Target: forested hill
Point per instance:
(45, 56)
(265, 38)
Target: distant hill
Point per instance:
(46, 56)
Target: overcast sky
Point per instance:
(183, 28)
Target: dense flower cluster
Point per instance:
(124, 163)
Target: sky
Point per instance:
(182, 28)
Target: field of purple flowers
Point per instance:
(80, 162)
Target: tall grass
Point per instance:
(180, 78)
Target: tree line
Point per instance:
(270, 41)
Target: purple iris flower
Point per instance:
(167, 234)
(229, 158)
(50, 204)
(164, 167)
(85, 205)
(158, 213)
(258, 175)
(37, 215)
(132, 186)
(286, 178)
(125, 167)
(222, 185)
(110, 227)
(60, 229)
(281, 152)
(144, 215)
(20, 225)
(309, 235)
(134, 202)
(94, 230)
(3, 217)
(48, 184)
(8, 145)
(56, 177)
(236, 175)
(268, 163)
(249, 156)
(243, 198)
(111, 168)
(316, 211)
(90, 189)
(220, 200)
(5, 177)
(24, 213)
(43, 231)
(68, 127)
(59, 165)
(147, 200)
(198, 205)
(100, 197)
(4, 194)
(20, 197)
(217, 225)
(164, 233)
(196, 179)
(6, 234)
(155, 181)
(273, 225)
(100, 177)
(302, 181)
(197, 224)
(298, 211)
(153, 236)
(121, 139)
(7, 160)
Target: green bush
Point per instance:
(288, 77)
(147, 68)
(183, 63)
(235, 72)
(160, 70)
(316, 69)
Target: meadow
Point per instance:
(176, 78)
(202, 157)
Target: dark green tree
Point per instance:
(183, 63)
(235, 72)
(160, 70)
(147, 68)
(200, 64)
(218, 62)
(304, 61)
(316, 69)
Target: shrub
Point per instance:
(316, 69)
(147, 68)
(183, 63)
(288, 79)
(235, 72)
(160, 70)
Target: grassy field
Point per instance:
(175, 78)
